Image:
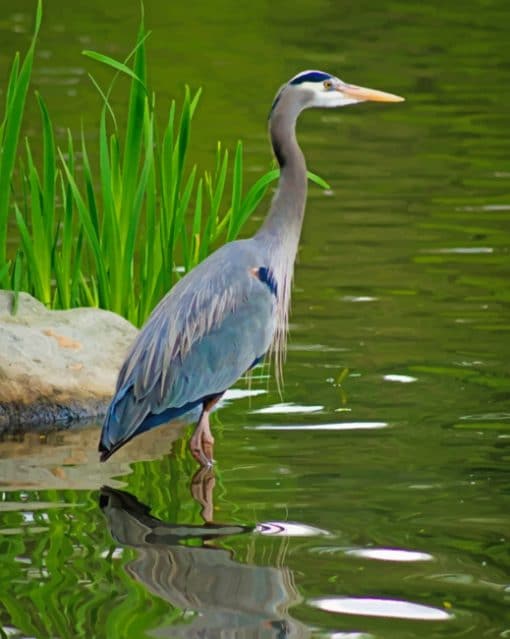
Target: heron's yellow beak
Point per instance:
(361, 93)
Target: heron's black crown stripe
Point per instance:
(311, 76)
(307, 76)
(265, 275)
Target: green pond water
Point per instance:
(372, 499)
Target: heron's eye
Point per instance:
(328, 84)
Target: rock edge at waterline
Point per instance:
(57, 366)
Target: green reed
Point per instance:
(116, 235)
(10, 127)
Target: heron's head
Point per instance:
(310, 89)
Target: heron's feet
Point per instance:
(202, 442)
(202, 451)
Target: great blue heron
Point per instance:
(222, 317)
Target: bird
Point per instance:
(227, 313)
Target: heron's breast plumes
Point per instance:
(282, 268)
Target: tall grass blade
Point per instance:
(87, 176)
(15, 106)
(215, 189)
(4, 271)
(103, 296)
(252, 199)
(134, 129)
(64, 235)
(28, 248)
(13, 76)
(237, 190)
(111, 62)
(17, 277)
(39, 258)
(106, 100)
(313, 177)
(195, 231)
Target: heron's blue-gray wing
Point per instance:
(199, 340)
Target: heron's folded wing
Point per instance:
(200, 338)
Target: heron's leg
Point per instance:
(208, 441)
(202, 441)
(196, 443)
(202, 490)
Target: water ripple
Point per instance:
(277, 409)
(462, 250)
(349, 635)
(485, 417)
(372, 607)
(359, 298)
(337, 426)
(290, 529)
(241, 393)
(403, 379)
(389, 554)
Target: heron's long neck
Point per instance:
(282, 227)
(279, 234)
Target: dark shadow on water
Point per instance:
(230, 599)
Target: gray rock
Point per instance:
(57, 366)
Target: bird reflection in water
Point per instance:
(230, 599)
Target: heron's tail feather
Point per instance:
(106, 453)
(122, 422)
(128, 417)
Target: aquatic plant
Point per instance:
(117, 235)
